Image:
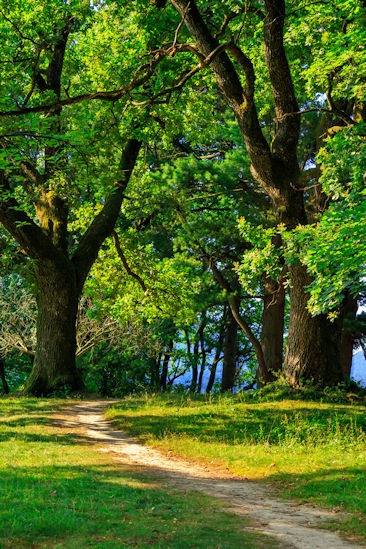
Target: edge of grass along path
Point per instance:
(312, 451)
(58, 491)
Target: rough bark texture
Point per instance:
(313, 345)
(273, 325)
(57, 300)
(230, 352)
(60, 279)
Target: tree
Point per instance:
(59, 269)
(313, 342)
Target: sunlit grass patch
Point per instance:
(58, 491)
(313, 451)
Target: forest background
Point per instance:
(182, 183)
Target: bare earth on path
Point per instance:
(292, 524)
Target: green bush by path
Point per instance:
(313, 451)
(58, 491)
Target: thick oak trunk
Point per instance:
(230, 351)
(273, 325)
(54, 366)
(313, 344)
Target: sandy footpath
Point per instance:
(292, 524)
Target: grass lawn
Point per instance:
(58, 491)
(312, 451)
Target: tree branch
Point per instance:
(286, 139)
(240, 100)
(142, 75)
(125, 264)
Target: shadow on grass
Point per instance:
(70, 438)
(100, 506)
(24, 406)
(21, 427)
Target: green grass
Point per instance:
(58, 491)
(311, 451)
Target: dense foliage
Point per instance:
(182, 193)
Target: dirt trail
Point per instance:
(293, 525)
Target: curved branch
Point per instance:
(125, 264)
(234, 303)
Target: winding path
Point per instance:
(292, 524)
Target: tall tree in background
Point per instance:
(313, 344)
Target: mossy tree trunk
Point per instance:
(54, 366)
(60, 277)
(60, 273)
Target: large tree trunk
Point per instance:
(60, 277)
(230, 351)
(313, 345)
(54, 366)
(273, 325)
